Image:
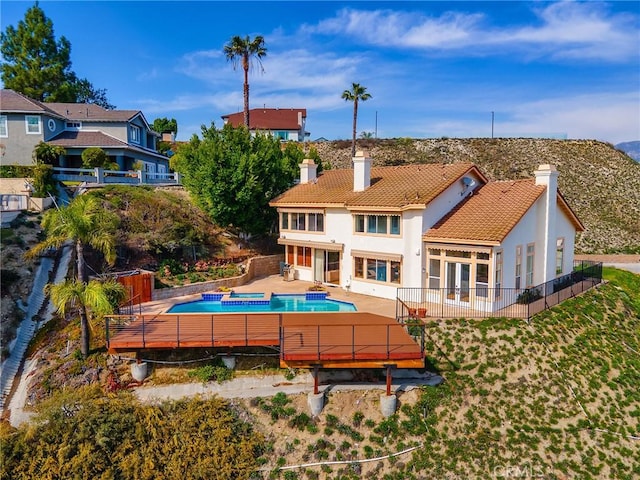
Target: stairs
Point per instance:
(29, 325)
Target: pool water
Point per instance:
(278, 303)
(246, 295)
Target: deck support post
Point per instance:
(316, 399)
(316, 375)
(389, 367)
(388, 401)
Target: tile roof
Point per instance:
(397, 187)
(489, 214)
(268, 118)
(11, 101)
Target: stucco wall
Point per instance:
(258, 267)
(18, 144)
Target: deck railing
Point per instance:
(485, 302)
(101, 176)
(350, 342)
(358, 341)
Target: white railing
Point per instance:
(101, 176)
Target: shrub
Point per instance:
(94, 157)
(43, 182)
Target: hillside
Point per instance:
(553, 398)
(600, 183)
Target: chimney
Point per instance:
(361, 171)
(547, 175)
(308, 171)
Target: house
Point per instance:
(442, 228)
(286, 124)
(125, 135)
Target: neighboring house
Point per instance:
(124, 135)
(428, 226)
(283, 123)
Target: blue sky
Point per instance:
(433, 68)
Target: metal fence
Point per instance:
(485, 302)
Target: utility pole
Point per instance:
(492, 118)
(376, 134)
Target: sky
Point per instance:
(434, 69)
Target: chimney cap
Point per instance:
(362, 153)
(547, 167)
(308, 161)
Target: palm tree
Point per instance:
(83, 222)
(356, 94)
(243, 50)
(96, 298)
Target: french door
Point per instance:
(457, 281)
(326, 266)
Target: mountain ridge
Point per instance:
(601, 183)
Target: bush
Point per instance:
(43, 182)
(529, 296)
(94, 157)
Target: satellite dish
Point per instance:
(468, 182)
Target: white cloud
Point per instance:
(608, 117)
(564, 30)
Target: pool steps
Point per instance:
(228, 299)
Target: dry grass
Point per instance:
(600, 183)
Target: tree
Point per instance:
(95, 298)
(162, 125)
(83, 222)
(45, 153)
(86, 93)
(93, 157)
(39, 66)
(243, 51)
(358, 93)
(233, 176)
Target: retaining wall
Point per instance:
(257, 267)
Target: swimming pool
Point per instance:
(240, 303)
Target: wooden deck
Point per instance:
(333, 340)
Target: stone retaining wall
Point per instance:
(257, 267)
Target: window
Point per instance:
(316, 222)
(290, 254)
(135, 134)
(518, 265)
(395, 272)
(297, 221)
(74, 125)
(310, 222)
(377, 224)
(303, 257)
(434, 273)
(4, 127)
(498, 273)
(377, 270)
(281, 135)
(530, 260)
(387, 271)
(482, 280)
(457, 254)
(559, 255)
(395, 225)
(482, 256)
(32, 123)
(358, 263)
